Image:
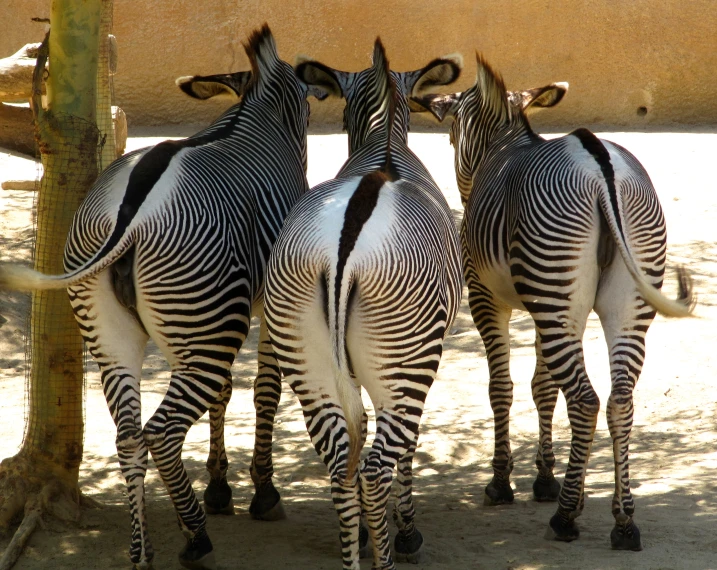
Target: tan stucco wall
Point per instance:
(618, 55)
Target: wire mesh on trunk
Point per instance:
(55, 356)
(54, 350)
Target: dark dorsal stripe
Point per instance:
(390, 169)
(358, 211)
(149, 170)
(601, 155)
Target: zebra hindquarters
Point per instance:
(299, 333)
(117, 341)
(197, 308)
(555, 271)
(626, 318)
(395, 346)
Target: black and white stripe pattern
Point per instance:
(362, 286)
(558, 228)
(184, 230)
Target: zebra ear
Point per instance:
(441, 71)
(440, 106)
(532, 100)
(229, 85)
(319, 76)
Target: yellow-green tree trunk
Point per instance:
(68, 145)
(108, 150)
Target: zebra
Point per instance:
(171, 244)
(543, 222)
(362, 286)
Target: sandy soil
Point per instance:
(673, 454)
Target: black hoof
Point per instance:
(407, 548)
(364, 550)
(626, 537)
(218, 498)
(546, 488)
(198, 553)
(498, 492)
(266, 504)
(561, 529)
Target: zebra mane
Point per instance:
(492, 89)
(385, 79)
(260, 48)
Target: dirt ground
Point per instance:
(673, 454)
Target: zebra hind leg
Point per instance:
(583, 406)
(116, 341)
(218, 494)
(165, 433)
(625, 371)
(545, 395)
(563, 356)
(491, 320)
(625, 318)
(198, 551)
(408, 542)
(327, 428)
(266, 503)
(375, 480)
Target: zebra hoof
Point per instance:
(408, 548)
(266, 504)
(560, 529)
(546, 488)
(218, 498)
(364, 548)
(626, 537)
(198, 553)
(498, 492)
(147, 565)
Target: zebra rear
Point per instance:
(362, 286)
(558, 227)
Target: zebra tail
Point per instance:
(610, 199)
(16, 277)
(349, 393)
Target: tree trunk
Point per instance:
(43, 477)
(104, 88)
